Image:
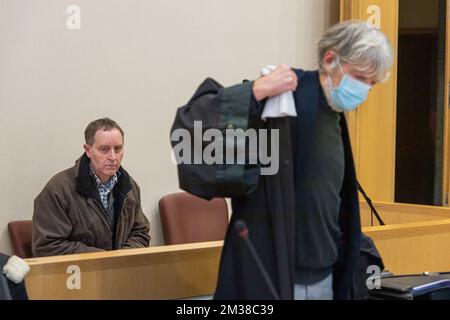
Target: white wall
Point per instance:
(134, 61)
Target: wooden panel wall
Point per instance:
(373, 125)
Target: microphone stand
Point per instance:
(241, 228)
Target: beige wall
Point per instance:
(135, 61)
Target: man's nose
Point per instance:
(112, 155)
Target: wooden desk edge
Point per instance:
(163, 249)
(407, 229)
(407, 208)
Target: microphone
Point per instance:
(242, 230)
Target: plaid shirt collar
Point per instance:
(104, 189)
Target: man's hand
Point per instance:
(280, 80)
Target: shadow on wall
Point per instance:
(334, 13)
(155, 226)
(5, 241)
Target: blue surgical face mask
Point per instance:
(349, 94)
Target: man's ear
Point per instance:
(328, 58)
(87, 149)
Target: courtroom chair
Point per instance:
(186, 218)
(20, 234)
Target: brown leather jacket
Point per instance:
(69, 218)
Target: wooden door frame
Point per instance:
(372, 127)
(446, 142)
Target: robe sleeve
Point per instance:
(215, 107)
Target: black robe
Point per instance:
(266, 203)
(8, 289)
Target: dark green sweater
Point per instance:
(318, 182)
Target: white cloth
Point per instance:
(16, 269)
(279, 106)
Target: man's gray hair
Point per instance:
(359, 44)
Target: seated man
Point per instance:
(93, 206)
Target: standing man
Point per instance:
(93, 206)
(303, 221)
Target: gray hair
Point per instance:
(359, 44)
